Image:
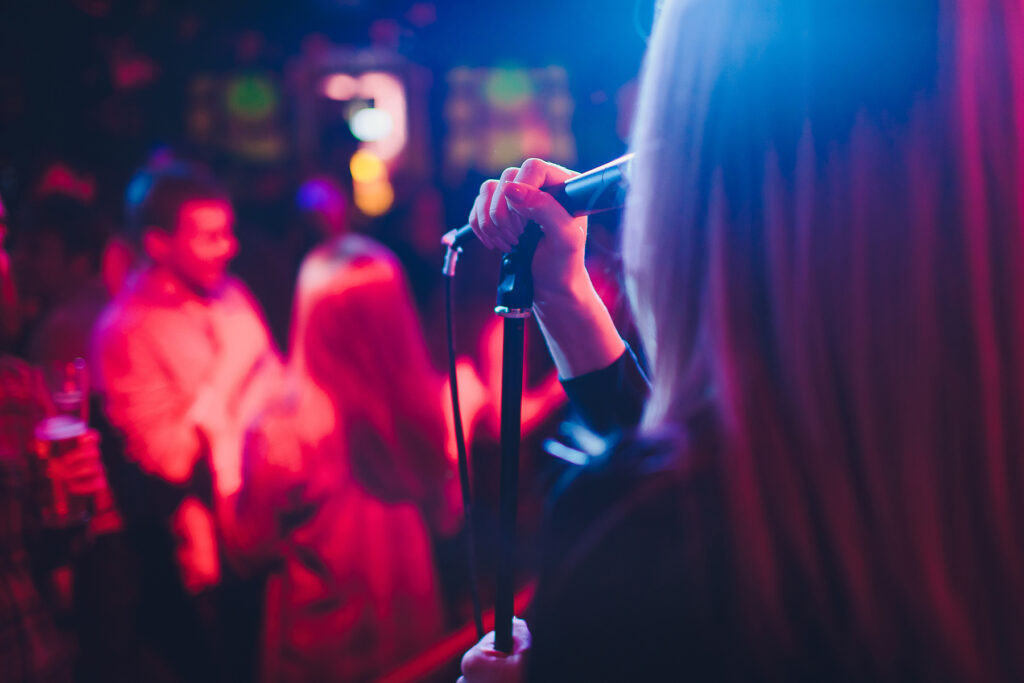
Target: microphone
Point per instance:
(599, 189)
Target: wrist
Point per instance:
(579, 330)
(575, 291)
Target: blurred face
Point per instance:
(202, 245)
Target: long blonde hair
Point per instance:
(357, 336)
(824, 245)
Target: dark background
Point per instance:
(59, 97)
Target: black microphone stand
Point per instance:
(514, 304)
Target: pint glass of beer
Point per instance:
(59, 434)
(68, 385)
(55, 437)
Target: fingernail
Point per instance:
(515, 192)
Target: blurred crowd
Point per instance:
(266, 465)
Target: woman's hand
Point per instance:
(505, 206)
(580, 333)
(484, 664)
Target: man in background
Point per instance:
(184, 362)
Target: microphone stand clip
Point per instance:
(451, 255)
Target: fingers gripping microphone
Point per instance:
(597, 190)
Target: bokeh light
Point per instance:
(387, 91)
(374, 199)
(251, 97)
(370, 124)
(340, 87)
(367, 167)
(508, 88)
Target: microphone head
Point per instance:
(600, 189)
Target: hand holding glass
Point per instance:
(67, 448)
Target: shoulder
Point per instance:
(122, 319)
(238, 302)
(637, 480)
(236, 291)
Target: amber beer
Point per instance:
(57, 436)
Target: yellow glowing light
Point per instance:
(374, 199)
(367, 167)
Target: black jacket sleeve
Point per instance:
(610, 400)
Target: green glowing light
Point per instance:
(251, 97)
(508, 88)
